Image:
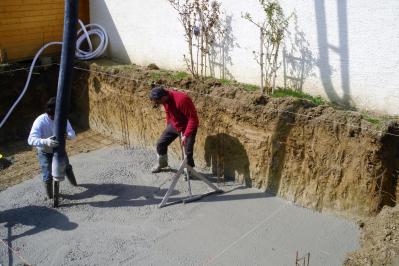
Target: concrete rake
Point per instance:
(188, 170)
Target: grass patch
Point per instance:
(298, 94)
(226, 81)
(155, 75)
(372, 119)
(250, 87)
(170, 75)
(179, 75)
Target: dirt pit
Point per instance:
(112, 219)
(24, 164)
(324, 159)
(379, 240)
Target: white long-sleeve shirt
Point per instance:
(42, 129)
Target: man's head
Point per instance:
(50, 107)
(158, 95)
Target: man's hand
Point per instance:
(184, 140)
(51, 143)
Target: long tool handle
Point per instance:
(183, 152)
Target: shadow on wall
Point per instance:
(286, 121)
(43, 86)
(80, 107)
(227, 158)
(298, 59)
(124, 120)
(342, 50)
(116, 48)
(83, 85)
(37, 218)
(220, 54)
(385, 185)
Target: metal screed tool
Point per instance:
(188, 170)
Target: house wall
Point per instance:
(345, 51)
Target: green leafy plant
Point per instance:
(201, 22)
(272, 31)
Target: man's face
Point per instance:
(51, 115)
(157, 102)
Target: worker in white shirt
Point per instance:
(41, 137)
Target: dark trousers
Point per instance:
(169, 135)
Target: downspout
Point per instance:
(64, 87)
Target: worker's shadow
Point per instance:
(39, 217)
(227, 158)
(123, 195)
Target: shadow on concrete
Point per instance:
(39, 217)
(227, 158)
(124, 195)
(134, 196)
(226, 196)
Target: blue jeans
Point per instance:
(45, 160)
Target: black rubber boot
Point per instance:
(48, 187)
(161, 164)
(70, 175)
(56, 193)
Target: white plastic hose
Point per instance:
(95, 29)
(82, 35)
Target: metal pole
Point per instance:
(64, 87)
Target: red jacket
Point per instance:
(181, 113)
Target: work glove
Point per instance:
(49, 142)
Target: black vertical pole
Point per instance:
(64, 87)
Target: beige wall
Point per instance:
(344, 51)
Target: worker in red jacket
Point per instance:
(181, 118)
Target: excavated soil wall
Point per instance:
(43, 85)
(316, 156)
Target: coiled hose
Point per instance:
(82, 35)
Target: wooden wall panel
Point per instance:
(26, 25)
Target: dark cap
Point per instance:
(158, 92)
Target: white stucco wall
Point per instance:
(348, 50)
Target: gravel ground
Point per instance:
(112, 218)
